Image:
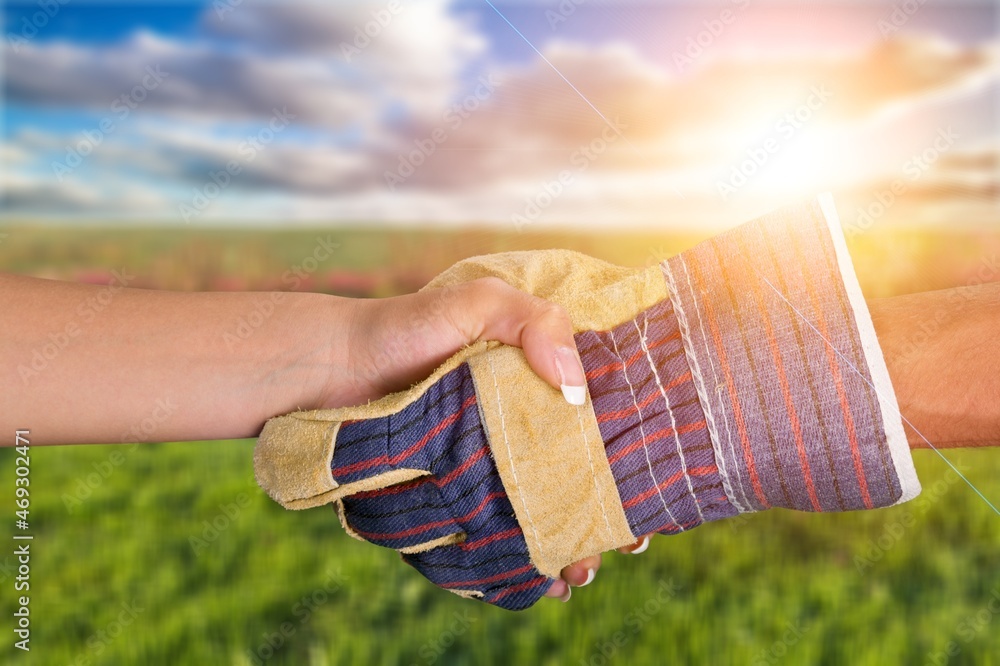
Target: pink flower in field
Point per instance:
(94, 276)
(229, 283)
(350, 283)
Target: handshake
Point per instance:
(739, 375)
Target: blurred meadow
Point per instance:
(197, 145)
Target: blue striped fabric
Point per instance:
(652, 424)
(440, 432)
(492, 561)
(412, 438)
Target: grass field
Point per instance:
(170, 554)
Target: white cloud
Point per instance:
(356, 120)
(411, 50)
(679, 129)
(412, 62)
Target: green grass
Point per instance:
(776, 587)
(742, 583)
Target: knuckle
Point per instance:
(553, 312)
(488, 286)
(458, 298)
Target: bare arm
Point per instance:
(88, 364)
(943, 353)
(85, 364)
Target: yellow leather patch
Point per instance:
(552, 463)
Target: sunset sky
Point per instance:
(578, 114)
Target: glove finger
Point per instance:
(494, 565)
(410, 439)
(461, 491)
(402, 516)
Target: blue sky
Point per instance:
(96, 22)
(354, 125)
(651, 26)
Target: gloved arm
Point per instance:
(739, 375)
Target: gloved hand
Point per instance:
(739, 375)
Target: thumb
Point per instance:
(497, 311)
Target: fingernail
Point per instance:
(643, 546)
(575, 395)
(569, 593)
(590, 578)
(572, 381)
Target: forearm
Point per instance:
(943, 356)
(85, 364)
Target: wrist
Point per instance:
(945, 384)
(307, 357)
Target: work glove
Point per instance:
(739, 375)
